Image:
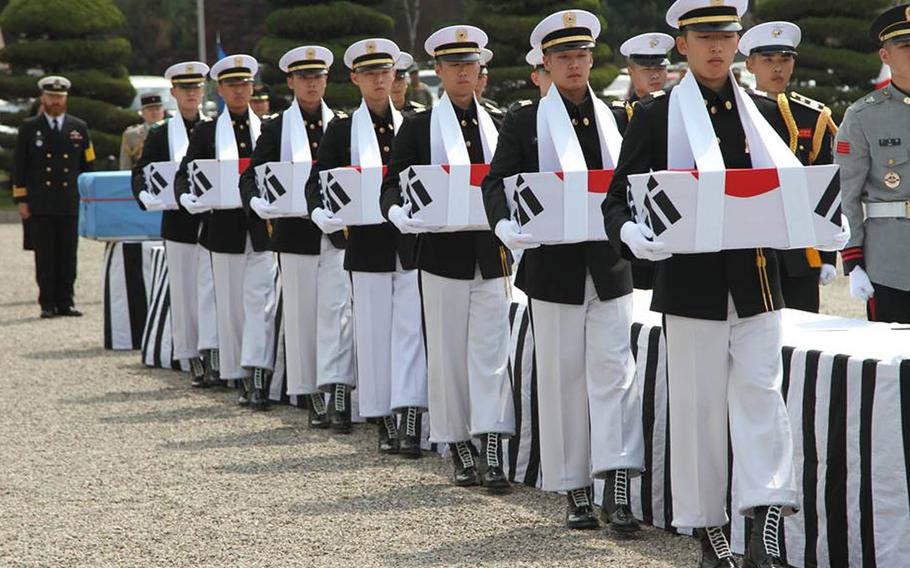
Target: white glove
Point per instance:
(326, 221)
(263, 208)
(401, 218)
(827, 274)
(638, 237)
(841, 239)
(151, 202)
(860, 285)
(188, 200)
(510, 234)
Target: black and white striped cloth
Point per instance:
(850, 417)
(157, 341)
(127, 277)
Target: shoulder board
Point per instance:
(806, 102)
(341, 114)
(417, 106)
(651, 97)
(493, 109)
(618, 104)
(419, 109)
(758, 93)
(157, 125)
(520, 104)
(872, 99)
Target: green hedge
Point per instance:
(60, 55)
(343, 96)
(105, 144)
(101, 115)
(8, 140)
(849, 67)
(269, 49)
(60, 18)
(284, 3)
(791, 10)
(850, 32)
(326, 21)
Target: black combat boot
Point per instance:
(465, 474)
(715, 550)
(319, 417)
(409, 433)
(763, 550)
(246, 389)
(340, 409)
(259, 398)
(580, 511)
(197, 373)
(494, 478)
(615, 508)
(388, 435)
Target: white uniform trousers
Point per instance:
(208, 314)
(318, 327)
(467, 357)
(245, 292)
(182, 269)
(388, 339)
(588, 400)
(720, 371)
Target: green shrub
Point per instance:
(64, 54)
(101, 115)
(60, 18)
(335, 19)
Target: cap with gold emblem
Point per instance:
(237, 68)
(54, 84)
(369, 54)
(707, 15)
(771, 37)
(187, 74)
(485, 56)
(307, 60)
(260, 92)
(456, 43)
(402, 64)
(892, 25)
(648, 50)
(150, 100)
(565, 30)
(534, 58)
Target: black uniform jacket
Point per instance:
(47, 163)
(809, 123)
(176, 224)
(553, 273)
(695, 285)
(227, 228)
(289, 234)
(451, 255)
(370, 248)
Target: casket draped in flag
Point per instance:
(109, 212)
(559, 207)
(216, 182)
(446, 198)
(352, 194)
(782, 208)
(282, 184)
(159, 181)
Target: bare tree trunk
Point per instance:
(412, 19)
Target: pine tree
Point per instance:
(509, 23)
(837, 59)
(335, 25)
(77, 39)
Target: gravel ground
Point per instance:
(107, 463)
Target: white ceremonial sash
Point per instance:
(177, 141)
(365, 153)
(558, 149)
(692, 143)
(295, 143)
(447, 146)
(226, 142)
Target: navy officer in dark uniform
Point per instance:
(52, 149)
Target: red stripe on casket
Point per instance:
(748, 183)
(384, 169)
(478, 172)
(598, 180)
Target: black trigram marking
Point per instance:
(159, 183)
(657, 200)
(527, 205)
(201, 183)
(827, 202)
(335, 196)
(273, 187)
(418, 193)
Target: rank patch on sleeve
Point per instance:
(843, 147)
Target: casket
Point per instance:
(352, 194)
(283, 185)
(159, 181)
(216, 183)
(446, 198)
(109, 212)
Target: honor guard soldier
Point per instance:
(400, 85)
(721, 309)
(490, 105)
(875, 177)
(806, 125)
(463, 274)
(316, 304)
(167, 142)
(52, 149)
(539, 74)
(242, 266)
(259, 102)
(391, 365)
(580, 294)
(646, 55)
(134, 136)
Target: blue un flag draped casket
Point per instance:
(109, 212)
